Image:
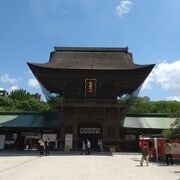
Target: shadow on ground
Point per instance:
(52, 153)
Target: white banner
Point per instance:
(2, 140)
(68, 142)
(175, 148)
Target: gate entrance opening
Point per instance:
(91, 131)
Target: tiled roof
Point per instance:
(148, 122)
(90, 58)
(40, 120)
(33, 120)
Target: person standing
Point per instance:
(88, 146)
(41, 147)
(168, 153)
(47, 147)
(145, 155)
(83, 148)
(100, 145)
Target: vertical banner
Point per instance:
(68, 142)
(156, 148)
(2, 140)
(90, 87)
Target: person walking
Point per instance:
(168, 153)
(145, 155)
(83, 148)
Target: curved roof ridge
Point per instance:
(92, 49)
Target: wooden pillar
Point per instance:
(62, 113)
(76, 114)
(62, 134)
(75, 136)
(104, 114)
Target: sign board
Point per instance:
(2, 140)
(90, 130)
(31, 135)
(9, 142)
(90, 87)
(52, 137)
(68, 142)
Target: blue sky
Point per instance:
(30, 29)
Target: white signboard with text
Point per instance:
(52, 137)
(68, 142)
(2, 141)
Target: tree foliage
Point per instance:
(20, 95)
(142, 106)
(21, 100)
(174, 131)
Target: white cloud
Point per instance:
(167, 76)
(123, 7)
(175, 98)
(6, 79)
(12, 88)
(1, 89)
(33, 83)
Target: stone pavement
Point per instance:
(61, 166)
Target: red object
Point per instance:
(160, 147)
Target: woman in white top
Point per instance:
(41, 147)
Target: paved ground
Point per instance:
(120, 166)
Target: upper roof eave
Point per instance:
(50, 66)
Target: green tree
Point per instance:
(6, 104)
(142, 106)
(175, 127)
(20, 100)
(20, 95)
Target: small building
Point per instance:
(19, 130)
(3, 92)
(148, 124)
(22, 130)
